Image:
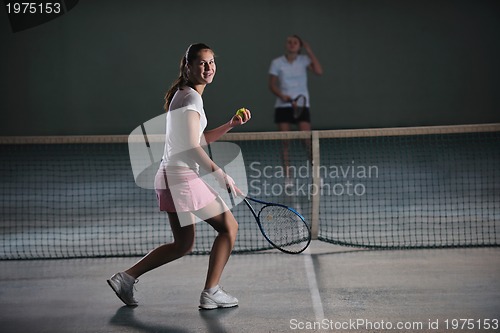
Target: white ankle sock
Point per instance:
(212, 290)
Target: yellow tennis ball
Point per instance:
(240, 112)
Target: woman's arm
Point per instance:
(315, 66)
(214, 134)
(198, 154)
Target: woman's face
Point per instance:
(292, 44)
(202, 70)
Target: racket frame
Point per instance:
(298, 109)
(261, 228)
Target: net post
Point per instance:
(315, 195)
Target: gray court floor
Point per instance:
(330, 289)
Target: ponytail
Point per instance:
(183, 79)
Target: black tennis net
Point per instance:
(68, 197)
(411, 190)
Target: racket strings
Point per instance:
(284, 227)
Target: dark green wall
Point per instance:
(103, 67)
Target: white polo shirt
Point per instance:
(292, 77)
(177, 136)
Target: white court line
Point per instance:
(313, 286)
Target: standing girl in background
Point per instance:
(180, 190)
(288, 80)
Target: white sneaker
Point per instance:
(123, 286)
(219, 299)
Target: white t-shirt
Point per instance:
(292, 77)
(177, 136)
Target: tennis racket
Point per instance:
(298, 104)
(283, 227)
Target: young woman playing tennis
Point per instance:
(180, 190)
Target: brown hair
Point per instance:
(183, 80)
(300, 39)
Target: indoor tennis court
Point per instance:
(420, 247)
(398, 181)
(277, 293)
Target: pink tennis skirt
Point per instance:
(182, 190)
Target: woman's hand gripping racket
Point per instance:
(298, 104)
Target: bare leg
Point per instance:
(285, 127)
(306, 126)
(183, 243)
(220, 218)
(227, 227)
